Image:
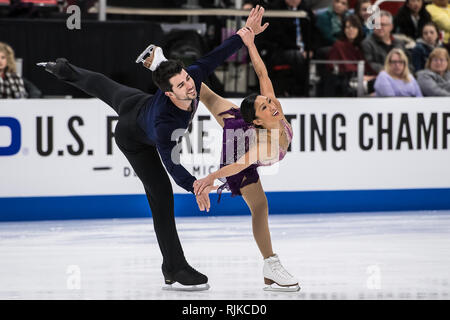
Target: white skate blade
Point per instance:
(42, 64)
(276, 288)
(148, 51)
(179, 287)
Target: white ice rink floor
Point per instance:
(389, 255)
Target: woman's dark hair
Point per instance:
(164, 72)
(354, 21)
(248, 109)
(358, 8)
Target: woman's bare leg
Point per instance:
(256, 200)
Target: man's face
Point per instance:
(385, 29)
(363, 12)
(340, 6)
(183, 87)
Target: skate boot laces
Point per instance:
(277, 268)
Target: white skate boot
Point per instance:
(277, 278)
(151, 57)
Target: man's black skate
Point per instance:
(186, 279)
(60, 69)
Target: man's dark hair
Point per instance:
(165, 71)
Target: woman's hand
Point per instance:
(254, 20)
(247, 35)
(201, 184)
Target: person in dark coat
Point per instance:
(411, 18)
(427, 43)
(377, 45)
(286, 48)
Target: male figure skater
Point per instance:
(144, 133)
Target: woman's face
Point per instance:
(351, 32)
(340, 6)
(266, 112)
(415, 5)
(439, 64)
(363, 13)
(430, 35)
(3, 62)
(397, 65)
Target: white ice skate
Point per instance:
(151, 57)
(277, 278)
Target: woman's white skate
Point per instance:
(277, 278)
(151, 57)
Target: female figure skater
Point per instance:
(261, 120)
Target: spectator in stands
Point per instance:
(347, 48)
(440, 14)
(434, 80)
(427, 43)
(396, 80)
(329, 22)
(411, 18)
(286, 47)
(247, 4)
(12, 85)
(318, 4)
(377, 45)
(361, 10)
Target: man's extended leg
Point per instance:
(116, 95)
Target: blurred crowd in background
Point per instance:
(405, 54)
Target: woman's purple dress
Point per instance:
(238, 137)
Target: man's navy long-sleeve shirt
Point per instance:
(160, 117)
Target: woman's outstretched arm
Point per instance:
(265, 84)
(229, 170)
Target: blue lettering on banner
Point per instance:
(14, 125)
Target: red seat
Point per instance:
(5, 2)
(49, 3)
(392, 7)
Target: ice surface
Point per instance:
(387, 255)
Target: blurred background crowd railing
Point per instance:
(311, 48)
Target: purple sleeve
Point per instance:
(383, 87)
(418, 92)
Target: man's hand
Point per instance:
(254, 20)
(201, 184)
(203, 198)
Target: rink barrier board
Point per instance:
(58, 160)
(300, 202)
